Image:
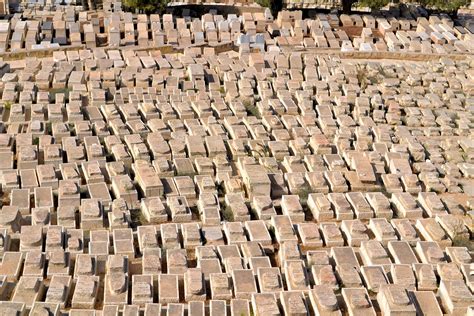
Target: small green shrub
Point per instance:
(146, 6)
(251, 108)
(227, 214)
(49, 128)
(461, 241)
(303, 194)
(264, 3)
(261, 151)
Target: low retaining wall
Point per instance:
(229, 46)
(38, 53)
(224, 9)
(409, 56)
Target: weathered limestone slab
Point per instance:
(455, 296)
(151, 261)
(374, 277)
(430, 252)
(324, 275)
(324, 301)
(355, 232)
(357, 301)
(258, 232)
(401, 252)
(405, 231)
(28, 290)
(142, 290)
(85, 293)
(168, 288)
(244, 283)
(320, 207)
(426, 303)
(430, 230)
(402, 274)
(294, 303)
(239, 307)
(265, 304)
(426, 279)
(51, 308)
(116, 281)
(296, 275)
(309, 235)
(58, 290)
(221, 287)
(332, 236)
(393, 300)
(269, 280)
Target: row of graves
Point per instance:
(251, 31)
(137, 182)
(435, 34)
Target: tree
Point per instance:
(445, 5)
(274, 5)
(147, 6)
(372, 4)
(442, 5)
